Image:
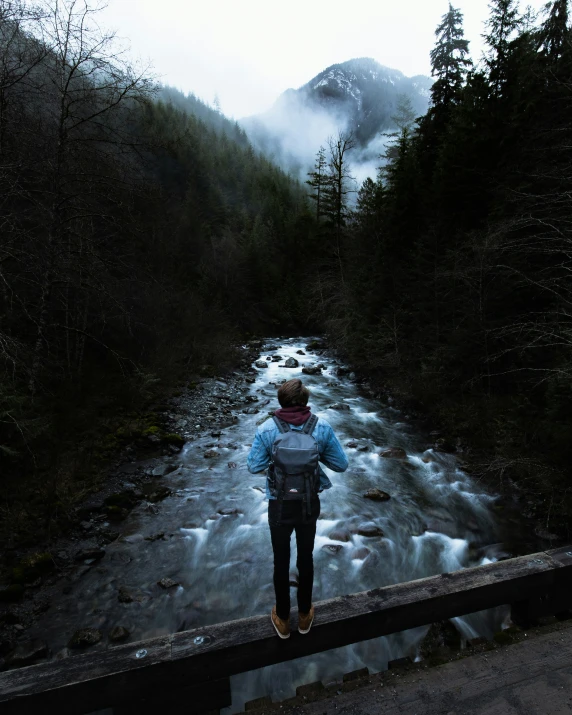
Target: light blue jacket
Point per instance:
(331, 453)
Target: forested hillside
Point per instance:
(454, 278)
(141, 235)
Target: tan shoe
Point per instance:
(305, 620)
(281, 627)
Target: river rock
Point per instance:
(90, 555)
(163, 469)
(394, 453)
(85, 637)
(291, 362)
(300, 352)
(312, 370)
(332, 548)
(340, 535)
(340, 406)
(293, 580)
(376, 495)
(124, 596)
(369, 529)
(27, 653)
(232, 465)
(155, 494)
(261, 364)
(250, 380)
(119, 634)
(361, 553)
(229, 512)
(316, 345)
(210, 454)
(276, 358)
(351, 445)
(167, 583)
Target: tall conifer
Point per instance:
(449, 58)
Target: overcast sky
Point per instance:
(249, 51)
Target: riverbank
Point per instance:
(473, 430)
(140, 451)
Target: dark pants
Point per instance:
(284, 518)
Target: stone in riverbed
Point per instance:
(27, 653)
(167, 583)
(90, 555)
(370, 530)
(276, 358)
(124, 596)
(250, 380)
(119, 634)
(300, 352)
(332, 548)
(291, 362)
(210, 454)
(155, 494)
(312, 370)
(85, 637)
(339, 406)
(340, 535)
(394, 453)
(163, 469)
(232, 465)
(229, 512)
(361, 553)
(261, 364)
(376, 495)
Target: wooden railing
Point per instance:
(193, 667)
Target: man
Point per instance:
(286, 516)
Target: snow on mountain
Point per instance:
(359, 95)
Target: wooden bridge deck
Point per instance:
(532, 677)
(192, 669)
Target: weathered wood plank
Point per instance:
(88, 682)
(85, 682)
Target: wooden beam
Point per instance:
(119, 675)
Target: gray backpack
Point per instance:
(294, 472)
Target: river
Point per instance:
(438, 519)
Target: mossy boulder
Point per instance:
(116, 513)
(32, 567)
(174, 439)
(125, 499)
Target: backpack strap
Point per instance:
(310, 425)
(282, 426)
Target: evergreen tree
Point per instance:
(555, 33)
(318, 181)
(503, 22)
(449, 59)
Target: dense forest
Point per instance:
(453, 283)
(141, 236)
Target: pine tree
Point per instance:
(449, 60)
(503, 22)
(555, 33)
(318, 181)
